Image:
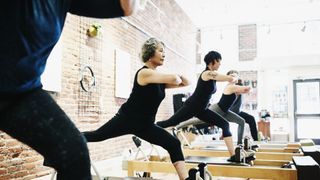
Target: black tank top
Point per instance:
(236, 104)
(226, 101)
(144, 100)
(202, 94)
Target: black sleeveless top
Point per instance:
(236, 104)
(144, 100)
(202, 94)
(226, 101)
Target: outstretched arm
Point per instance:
(149, 76)
(214, 75)
(240, 89)
(103, 8)
(184, 82)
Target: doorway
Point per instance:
(307, 109)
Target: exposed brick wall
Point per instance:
(168, 23)
(247, 42)
(18, 161)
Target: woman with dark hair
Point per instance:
(137, 115)
(223, 108)
(197, 104)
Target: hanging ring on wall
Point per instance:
(85, 82)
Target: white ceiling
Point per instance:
(214, 13)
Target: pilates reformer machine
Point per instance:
(220, 150)
(299, 166)
(191, 127)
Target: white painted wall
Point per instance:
(288, 39)
(210, 13)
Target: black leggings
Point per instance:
(35, 119)
(142, 127)
(252, 124)
(186, 112)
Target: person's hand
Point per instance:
(185, 81)
(234, 78)
(247, 89)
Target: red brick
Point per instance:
(29, 166)
(13, 169)
(3, 171)
(20, 174)
(5, 177)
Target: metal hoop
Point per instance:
(92, 83)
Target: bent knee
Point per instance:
(225, 126)
(241, 122)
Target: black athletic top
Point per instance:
(144, 100)
(226, 101)
(237, 104)
(202, 94)
(30, 29)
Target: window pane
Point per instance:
(308, 100)
(308, 128)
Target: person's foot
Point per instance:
(232, 158)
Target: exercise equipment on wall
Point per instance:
(87, 81)
(90, 55)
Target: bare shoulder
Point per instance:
(146, 72)
(143, 76)
(209, 75)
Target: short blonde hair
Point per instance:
(149, 48)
